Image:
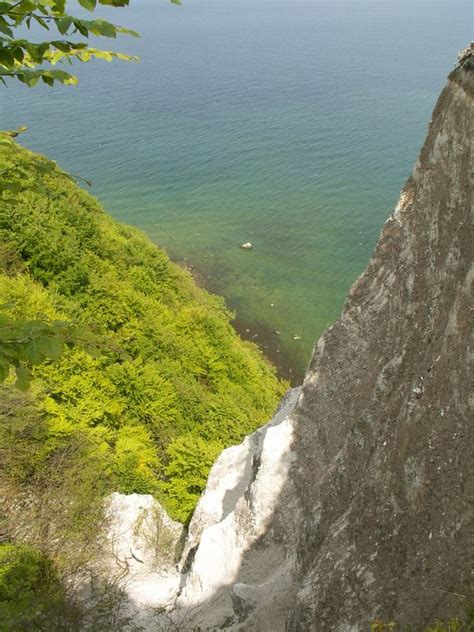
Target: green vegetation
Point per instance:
(28, 61)
(28, 586)
(24, 344)
(139, 381)
(464, 623)
(452, 625)
(155, 418)
(32, 597)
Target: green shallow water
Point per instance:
(290, 124)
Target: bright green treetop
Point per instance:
(25, 344)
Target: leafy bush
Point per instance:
(32, 597)
(28, 587)
(52, 479)
(189, 461)
(186, 386)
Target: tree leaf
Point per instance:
(88, 4)
(4, 28)
(64, 24)
(51, 346)
(23, 378)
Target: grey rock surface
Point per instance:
(384, 428)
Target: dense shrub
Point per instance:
(154, 418)
(28, 588)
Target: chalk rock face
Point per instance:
(233, 514)
(384, 428)
(144, 544)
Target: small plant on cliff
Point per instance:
(452, 625)
(379, 626)
(455, 624)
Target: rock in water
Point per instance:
(246, 246)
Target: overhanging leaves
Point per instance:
(26, 344)
(30, 62)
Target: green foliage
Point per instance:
(136, 463)
(29, 62)
(25, 344)
(32, 597)
(16, 176)
(464, 623)
(455, 624)
(452, 625)
(29, 588)
(190, 459)
(185, 385)
(379, 626)
(62, 471)
(52, 480)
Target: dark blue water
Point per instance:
(290, 124)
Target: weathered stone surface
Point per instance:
(233, 515)
(143, 550)
(383, 432)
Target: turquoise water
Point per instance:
(289, 124)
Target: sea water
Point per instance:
(288, 124)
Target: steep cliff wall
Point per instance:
(383, 434)
(375, 516)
